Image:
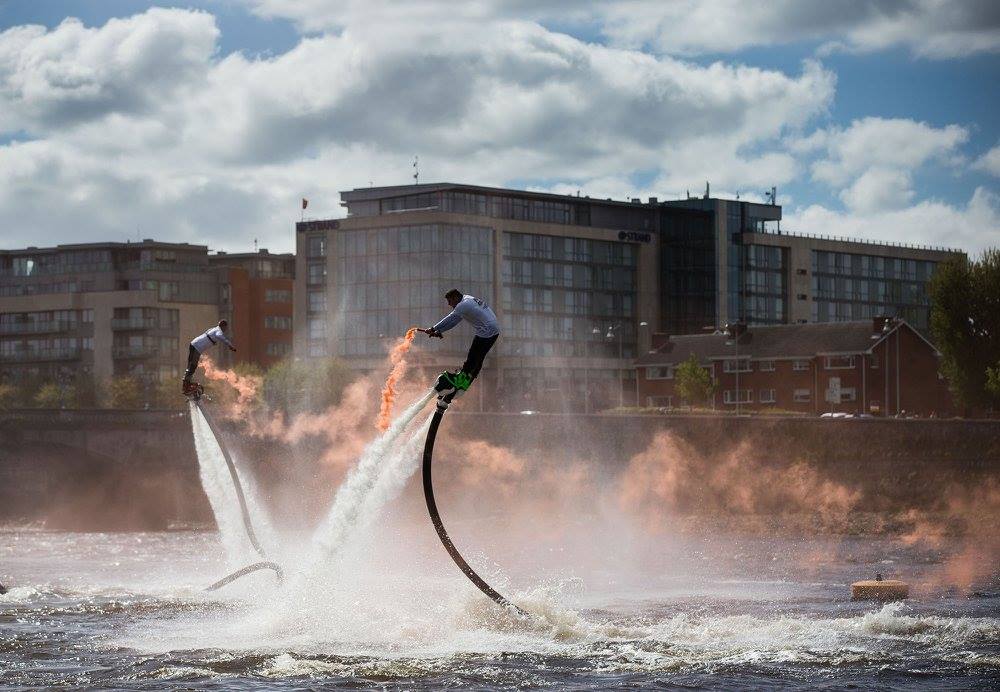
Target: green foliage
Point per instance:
(124, 392)
(993, 381)
(51, 395)
(8, 396)
(295, 386)
(692, 382)
(965, 323)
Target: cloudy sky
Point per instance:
(209, 120)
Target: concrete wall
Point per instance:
(139, 469)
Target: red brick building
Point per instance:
(256, 298)
(882, 367)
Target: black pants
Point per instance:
(193, 358)
(477, 354)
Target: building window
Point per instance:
(730, 365)
(767, 396)
(802, 395)
(317, 273)
(87, 316)
(278, 349)
(848, 394)
(800, 365)
(873, 359)
(317, 301)
(660, 372)
(275, 295)
(839, 362)
(317, 246)
(317, 328)
(317, 349)
(277, 322)
(744, 396)
(766, 366)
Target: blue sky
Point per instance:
(207, 121)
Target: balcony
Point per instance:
(49, 327)
(54, 354)
(132, 323)
(125, 352)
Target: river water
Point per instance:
(713, 612)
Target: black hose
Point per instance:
(236, 482)
(439, 525)
(266, 564)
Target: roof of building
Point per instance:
(110, 245)
(776, 341)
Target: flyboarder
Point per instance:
(200, 344)
(484, 322)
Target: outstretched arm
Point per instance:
(447, 323)
(224, 339)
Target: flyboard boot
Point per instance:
(192, 390)
(450, 385)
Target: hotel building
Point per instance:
(580, 284)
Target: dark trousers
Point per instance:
(193, 358)
(477, 354)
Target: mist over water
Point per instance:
(623, 583)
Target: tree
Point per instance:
(8, 396)
(51, 395)
(123, 391)
(693, 382)
(965, 324)
(295, 386)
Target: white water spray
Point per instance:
(218, 485)
(380, 474)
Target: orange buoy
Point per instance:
(879, 590)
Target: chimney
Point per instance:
(653, 200)
(707, 190)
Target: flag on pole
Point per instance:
(305, 203)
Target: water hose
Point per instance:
(266, 564)
(439, 525)
(244, 510)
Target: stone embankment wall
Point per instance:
(126, 470)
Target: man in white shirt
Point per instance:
(201, 343)
(476, 312)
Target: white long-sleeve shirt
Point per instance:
(208, 339)
(476, 312)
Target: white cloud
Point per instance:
(878, 189)
(49, 79)
(972, 227)
(928, 28)
(156, 131)
(888, 143)
(989, 162)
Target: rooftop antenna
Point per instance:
(416, 170)
(707, 190)
(255, 245)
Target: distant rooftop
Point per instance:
(776, 341)
(145, 243)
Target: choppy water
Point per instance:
(128, 611)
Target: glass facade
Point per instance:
(495, 205)
(848, 286)
(687, 272)
(568, 296)
(765, 281)
(391, 279)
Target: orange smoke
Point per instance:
(245, 386)
(397, 356)
(671, 477)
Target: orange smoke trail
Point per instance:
(246, 386)
(398, 359)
